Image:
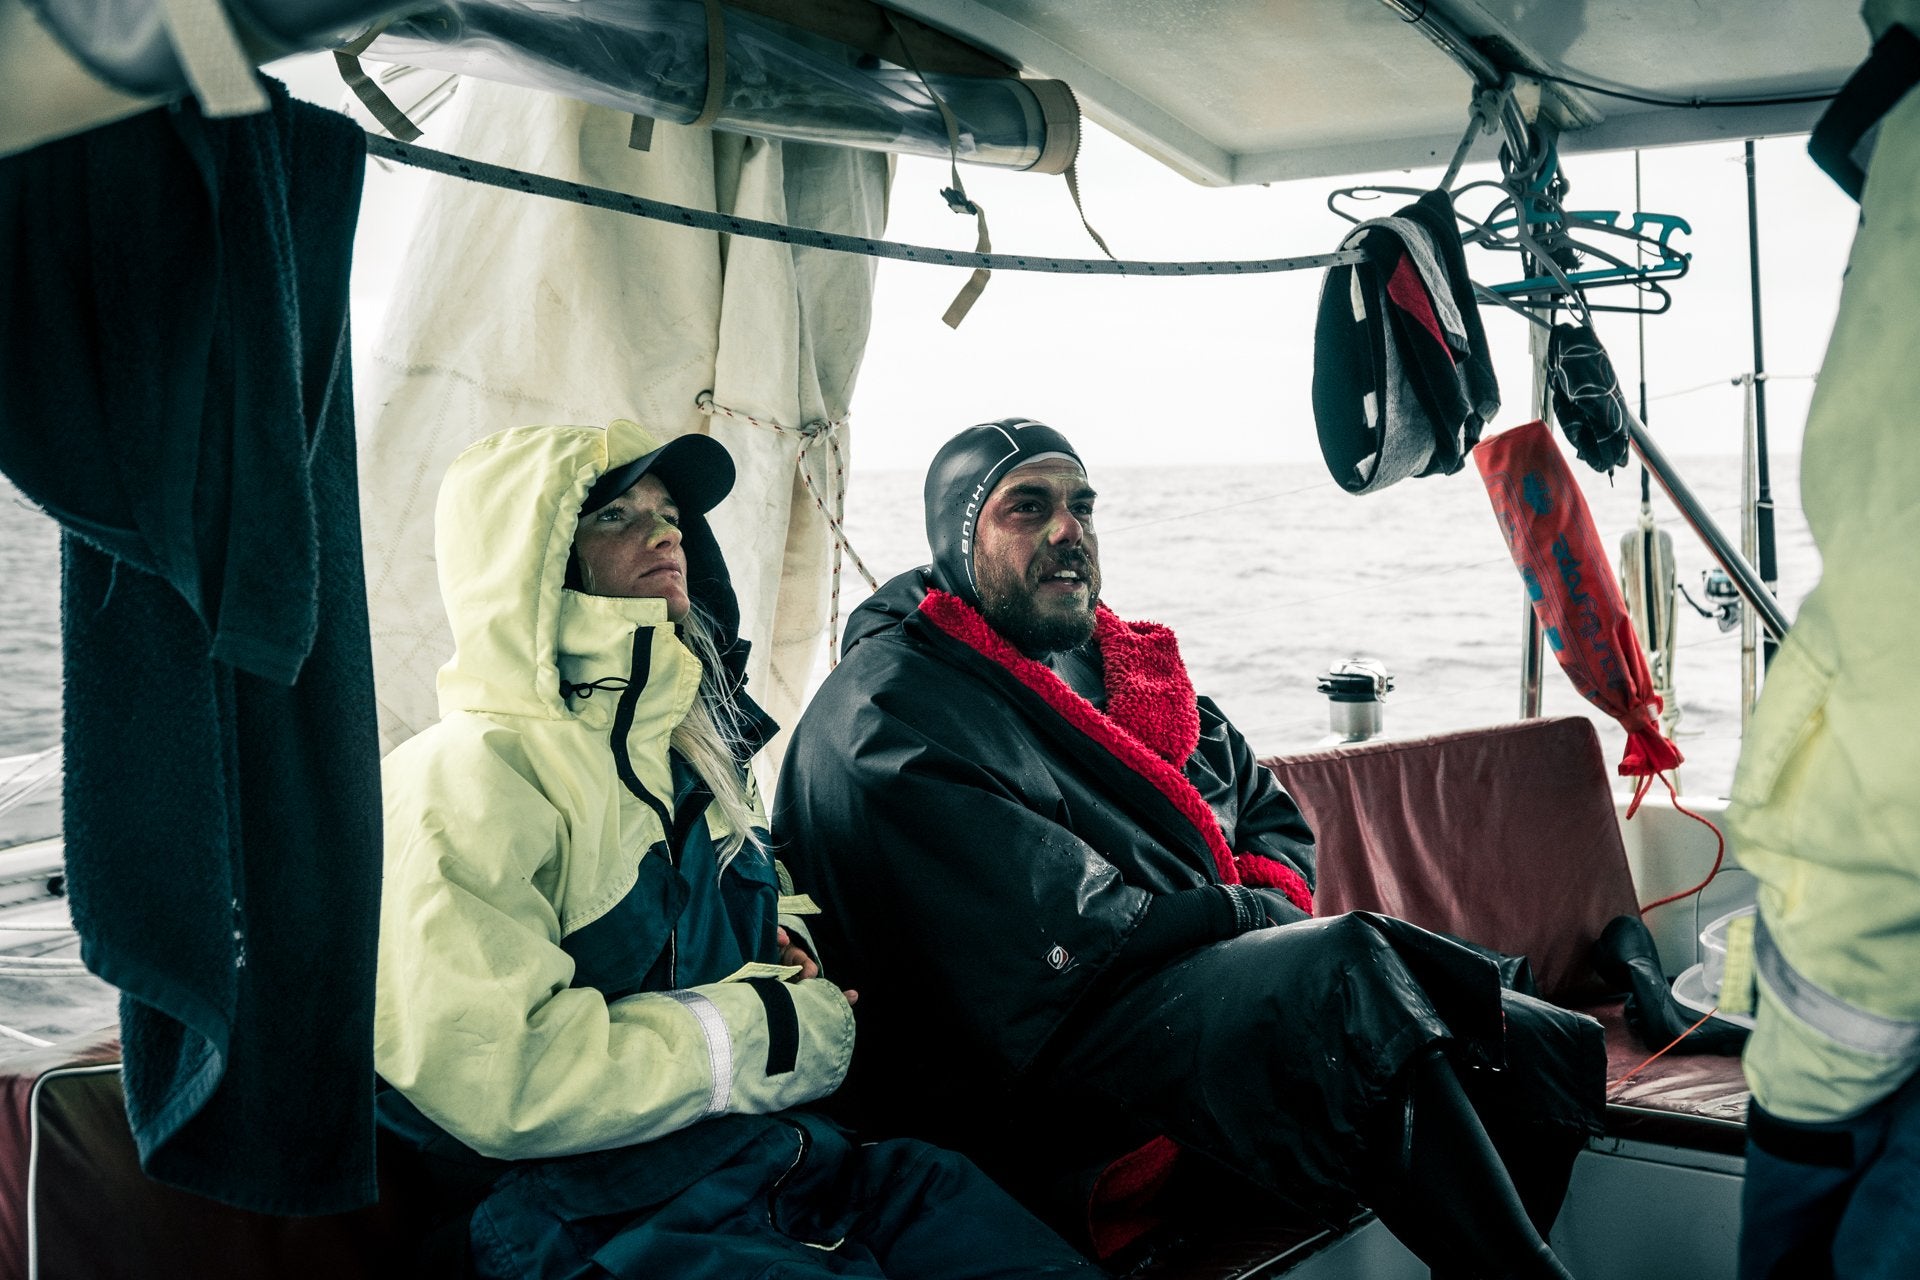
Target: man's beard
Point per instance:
(1008, 604)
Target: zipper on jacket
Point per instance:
(623, 725)
(640, 667)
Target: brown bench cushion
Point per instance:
(97, 1216)
(1696, 1100)
(1505, 836)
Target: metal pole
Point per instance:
(1749, 536)
(1772, 617)
(1769, 570)
(1533, 660)
(1650, 540)
(1533, 646)
(1639, 257)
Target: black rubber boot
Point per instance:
(1447, 1196)
(1625, 959)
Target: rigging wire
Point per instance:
(22, 782)
(1735, 381)
(1694, 103)
(10, 967)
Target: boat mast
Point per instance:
(1763, 506)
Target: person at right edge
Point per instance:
(1077, 912)
(1826, 799)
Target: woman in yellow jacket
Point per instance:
(596, 1004)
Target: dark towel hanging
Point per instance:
(175, 390)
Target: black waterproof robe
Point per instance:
(984, 863)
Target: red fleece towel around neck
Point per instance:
(1151, 724)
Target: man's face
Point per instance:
(1036, 561)
(631, 548)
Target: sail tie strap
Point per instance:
(210, 52)
(346, 60)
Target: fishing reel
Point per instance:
(1722, 596)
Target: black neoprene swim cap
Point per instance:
(963, 473)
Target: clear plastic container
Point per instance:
(1713, 950)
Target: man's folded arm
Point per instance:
(1178, 922)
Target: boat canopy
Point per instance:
(1239, 93)
(1247, 91)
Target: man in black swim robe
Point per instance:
(1080, 918)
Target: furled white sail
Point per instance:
(513, 309)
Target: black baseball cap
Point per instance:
(697, 470)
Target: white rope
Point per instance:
(26, 762)
(14, 799)
(24, 1038)
(1735, 380)
(37, 928)
(13, 791)
(813, 435)
(42, 967)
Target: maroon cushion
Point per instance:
(1505, 836)
(1696, 1100)
(96, 1214)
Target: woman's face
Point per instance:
(631, 548)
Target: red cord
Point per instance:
(1640, 789)
(1656, 1057)
(1719, 853)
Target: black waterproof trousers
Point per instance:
(797, 1199)
(1284, 1055)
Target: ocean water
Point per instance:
(1269, 574)
(29, 626)
(29, 664)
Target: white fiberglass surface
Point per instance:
(1247, 91)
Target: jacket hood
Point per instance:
(503, 534)
(897, 600)
(963, 473)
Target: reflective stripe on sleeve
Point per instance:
(719, 1046)
(1845, 1024)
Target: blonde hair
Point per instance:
(699, 739)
